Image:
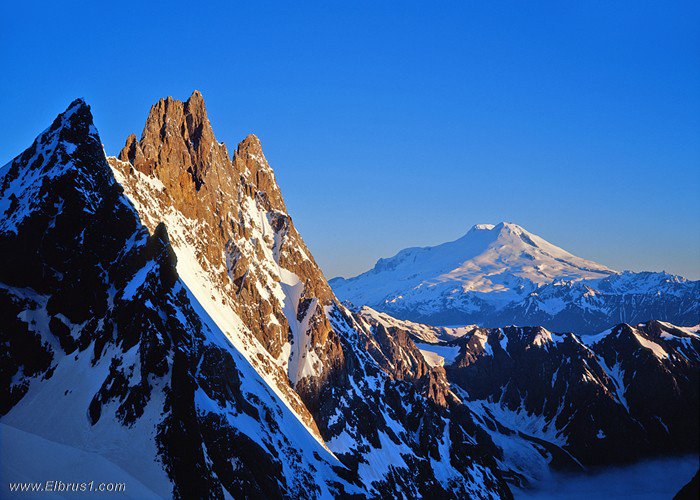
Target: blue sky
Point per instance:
(395, 124)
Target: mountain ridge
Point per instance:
(243, 259)
(637, 384)
(104, 350)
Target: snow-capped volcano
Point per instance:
(503, 274)
(503, 259)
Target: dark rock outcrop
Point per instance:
(204, 351)
(104, 350)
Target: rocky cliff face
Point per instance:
(105, 351)
(230, 228)
(206, 343)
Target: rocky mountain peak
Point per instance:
(251, 147)
(72, 128)
(177, 136)
(240, 252)
(195, 103)
(70, 150)
(250, 161)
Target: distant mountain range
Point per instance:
(504, 275)
(163, 325)
(551, 399)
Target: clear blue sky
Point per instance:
(394, 124)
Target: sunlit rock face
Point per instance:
(239, 253)
(106, 354)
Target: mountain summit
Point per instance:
(503, 274)
(495, 262)
(240, 255)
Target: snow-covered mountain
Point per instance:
(163, 324)
(503, 274)
(559, 401)
(106, 354)
(202, 353)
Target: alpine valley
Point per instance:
(163, 324)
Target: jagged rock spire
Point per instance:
(177, 135)
(86, 294)
(244, 233)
